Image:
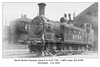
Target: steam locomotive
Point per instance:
(47, 37)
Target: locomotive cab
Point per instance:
(89, 35)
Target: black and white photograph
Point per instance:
(50, 29)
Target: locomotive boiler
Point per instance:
(47, 37)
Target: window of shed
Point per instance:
(26, 26)
(21, 25)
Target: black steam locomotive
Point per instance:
(47, 37)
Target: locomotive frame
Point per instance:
(55, 46)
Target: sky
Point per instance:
(53, 11)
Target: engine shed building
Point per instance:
(18, 26)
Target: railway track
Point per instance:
(25, 54)
(21, 51)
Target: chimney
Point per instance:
(74, 15)
(41, 9)
(25, 16)
(65, 15)
(21, 15)
(69, 16)
(69, 21)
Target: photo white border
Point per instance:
(88, 62)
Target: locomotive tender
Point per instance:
(47, 37)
